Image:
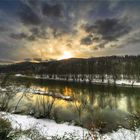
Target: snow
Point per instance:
(3, 89)
(123, 134)
(55, 95)
(45, 127)
(23, 137)
(19, 75)
(48, 128)
(96, 80)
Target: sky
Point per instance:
(59, 29)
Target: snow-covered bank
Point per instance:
(45, 127)
(97, 80)
(49, 128)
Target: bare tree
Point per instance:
(6, 93)
(24, 93)
(45, 104)
(80, 103)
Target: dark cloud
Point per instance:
(33, 3)
(38, 33)
(134, 39)
(52, 10)
(109, 29)
(34, 34)
(29, 16)
(61, 20)
(3, 29)
(88, 40)
(19, 36)
(23, 36)
(7, 50)
(34, 12)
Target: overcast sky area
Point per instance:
(56, 29)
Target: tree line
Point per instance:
(115, 67)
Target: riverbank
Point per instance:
(107, 81)
(50, 129)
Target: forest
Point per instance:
(111, 67)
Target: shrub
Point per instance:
(5, 128)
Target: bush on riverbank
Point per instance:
(5, 129)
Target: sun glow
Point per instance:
(66, 55)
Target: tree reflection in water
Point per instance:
(93, 106)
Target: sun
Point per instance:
(66, 55)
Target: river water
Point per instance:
(92, 106)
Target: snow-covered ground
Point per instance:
(49, 128)
(45, 127)
(108, 80)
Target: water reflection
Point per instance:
(92, 105)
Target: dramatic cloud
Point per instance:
(38, 33)
(87, 40)
(110, 29)
(52, 10)
(106, 32)
(19, 36)
(29, 15)
(50, 29)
